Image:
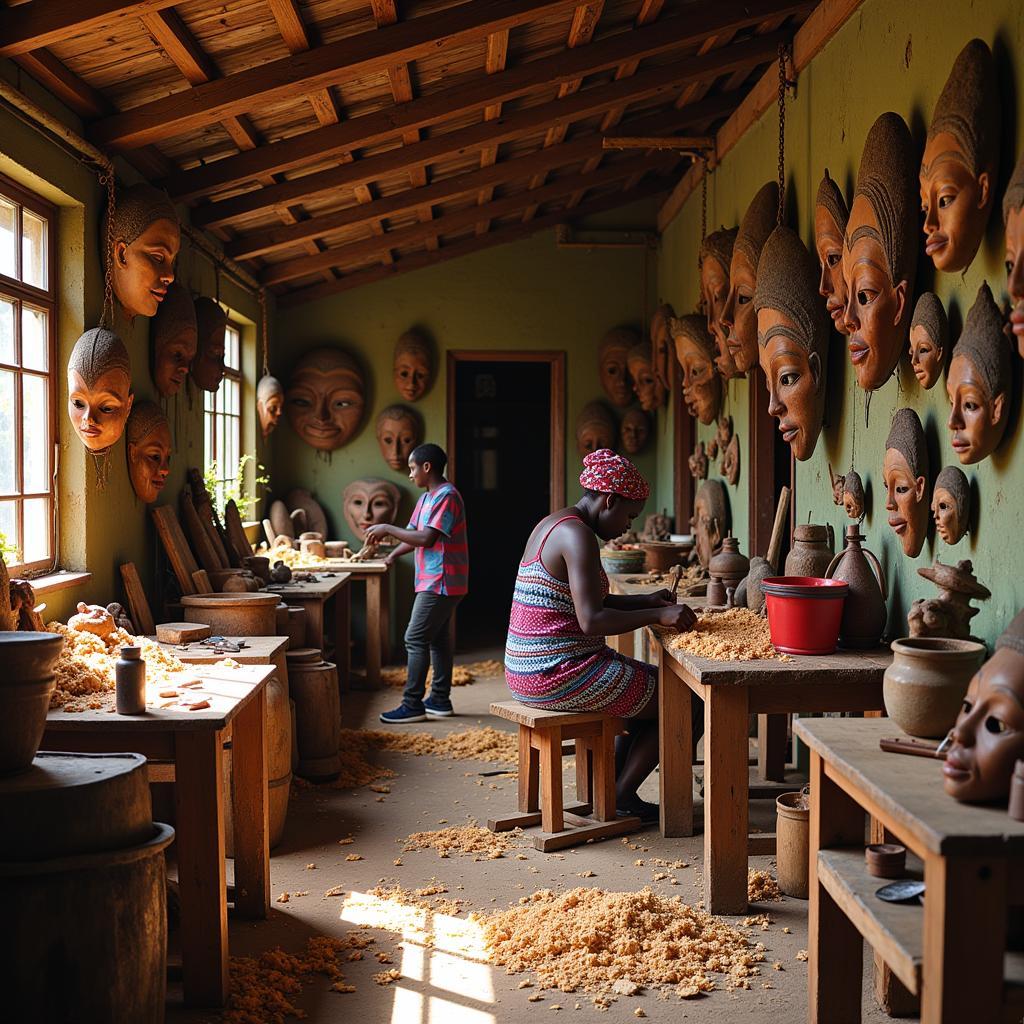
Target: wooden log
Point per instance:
(182, 632)
(208, 516)
(179, 554)
(138, 603)
(197, 535)
(201, 582)
(235, 532)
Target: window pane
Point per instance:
(7, 313)
(33, 249)
(34, 435)
(8, 238)
(37, 529)
(34, 341)
(9, 531)
(8, 434)
(231, 349)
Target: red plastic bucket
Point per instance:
(804, 612)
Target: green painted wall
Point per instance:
(888, 56)
(101, 527)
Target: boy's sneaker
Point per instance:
(402, 716)
(439, 709)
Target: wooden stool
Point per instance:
(540, 776)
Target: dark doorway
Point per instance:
(503, 457)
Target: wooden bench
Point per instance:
(541, 734)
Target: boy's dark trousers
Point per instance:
(428, 642)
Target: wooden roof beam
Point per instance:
(465, 246)
(32, 26)
(494, 61)
(299, 74)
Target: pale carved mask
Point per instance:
(715, 258)
(645, 382)
(830, 218)
(148, 438)
(413, 366)
(613, 359)
(325, 398)
(951, 503)
(634, 431)
(661, 345)
(905, 476)
(175, 340)
(710, 522)
(99, 389)
(368, 502)
(929, 339)
(146, 237)
(595, 429)
(958, 169)
(269, 403)
(211, 330)
(695, 351)
(399, 431)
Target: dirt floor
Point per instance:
(447, 981)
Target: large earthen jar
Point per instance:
(26, 682)
(864, 609)
(813, 548)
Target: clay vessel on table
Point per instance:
(753, 595)
(26, 683)
(924, 687)
(864, 609)
(259, 566)
(661, 555)
(813, 548)
(727, 569)
(280, 573)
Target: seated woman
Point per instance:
(556, 656)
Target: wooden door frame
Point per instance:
(556, 364)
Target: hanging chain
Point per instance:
(783, 55)
(263, 322)
(108, 180)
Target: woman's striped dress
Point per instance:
(550, 663)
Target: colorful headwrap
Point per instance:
(608, 473)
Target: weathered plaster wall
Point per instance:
(888, 56)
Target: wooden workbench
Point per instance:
(634, 645)
(191, 743)
(949, 951)
(329, 589)
(258, 650)
(731, 690)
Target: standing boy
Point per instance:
(437, 533)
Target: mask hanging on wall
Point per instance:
(174, 343)
(146, 238)
(634, 431)
(211, 327)
(738, 318)
(595, 428)
(793, 336)
(370, 501)
(951, 504)
(325, 398)
(269, 403)
(695, 351)
(661, 345)
(148, 438)
(961, 158)
(710, 522)
(905, 476)
(880, 252)
(99, 388)
(612, 361)
(714, 259)
(978, 384)
(830, 218)
(646, 385)
(929, 339)
(399, 431)
(1013, 221)
(413, 366)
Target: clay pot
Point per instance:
(259, 566)
(924, 686)
(26, 683)
(313, 546)
(886, 860)
(726, 569)
(864, 609)
(792, 831)
(226, 579)
(233, 614)
(280, 573)
(623, 560)
(813, 547)
(661, 555)
(750, 593)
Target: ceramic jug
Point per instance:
(726, 569)
(813, 546)
(864, 609)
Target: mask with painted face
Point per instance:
(269, 403)
(929, 339)
(951, 504)
(739, 322)
(961, 155)
(175, 341)
(148, 438)
(325, 398)
(613, 359)
(988, 737)
(211, 331)
(715, 259)
(695, 351)
(830, 218)
(793, 334)
(413, 366)
(1013, 219)
(880, 252)
(99, 388)
(645, 383)
(399, 431)
(978, 384)
(905, 475)
(146, 237)
(595, 428)
(710, 522)
(634, 431)
(661, 345)
(368, 502)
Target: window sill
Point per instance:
(61, 580)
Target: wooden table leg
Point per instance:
(385, 618)
(529, 773)
(342, 636)
(964, 939)
(771, 747)
(603, 774)
(891, 995)
(835, 947)
(550, 743)
(725, 799)
(199, 806)
(675, 747)
(251, 810)
(373, 630)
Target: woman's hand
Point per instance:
(680, 617)
(661, 598)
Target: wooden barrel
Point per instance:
(83, 889)
(296, 626)
(314, 688)
(233, 614)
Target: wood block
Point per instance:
(182, 632)
(201, 582)
(179, 554)
(548, 841)
(206, 553)
(235, 532)
(138, 605)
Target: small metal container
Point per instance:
(130, 682)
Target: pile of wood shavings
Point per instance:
(261, 987)
(762, 887)
(428, 898)
(734, 635)
(586, 940)
(486, 744)
(468, 840)
(462, 675)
